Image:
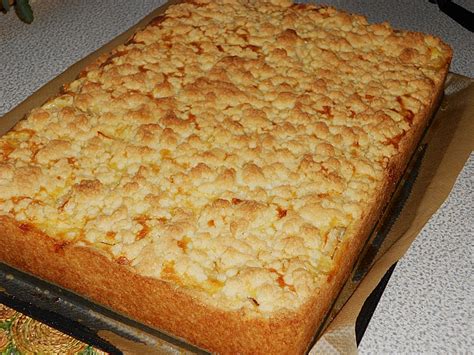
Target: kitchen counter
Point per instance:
(427, 305)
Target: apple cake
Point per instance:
(217, 175)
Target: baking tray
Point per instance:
(105, 328)
(79, 318)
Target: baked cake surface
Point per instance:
(230, 149)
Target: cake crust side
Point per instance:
(152, 301)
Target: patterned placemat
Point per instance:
(20, 334)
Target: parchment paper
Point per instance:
(440, 157)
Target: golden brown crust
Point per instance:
(224, 182)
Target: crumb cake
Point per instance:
(217, 175)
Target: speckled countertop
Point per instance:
(427, 305)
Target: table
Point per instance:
(427, 305)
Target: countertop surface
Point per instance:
(427, 305)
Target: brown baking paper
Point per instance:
(441, 156)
